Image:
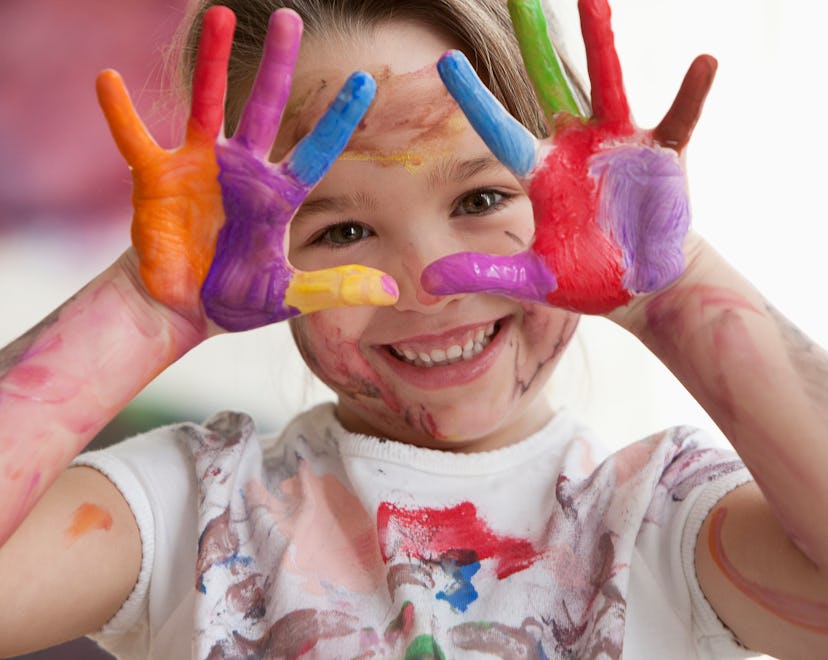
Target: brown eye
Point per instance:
(479, 202)
(344, 233)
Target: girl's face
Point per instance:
(462, 372)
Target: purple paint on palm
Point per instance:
(643, 205)
(249, 276)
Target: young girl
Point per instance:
(441, 507)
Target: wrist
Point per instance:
(179, 332)
(699, 255)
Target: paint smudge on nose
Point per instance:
(88, 518)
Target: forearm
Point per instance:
(66, 378)
(760, 379)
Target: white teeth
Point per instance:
(450, 355)
(454, 352)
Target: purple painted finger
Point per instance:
(524, 276)
(644, 205)
(263, 110)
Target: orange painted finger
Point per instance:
(210, 75)
(131, 136)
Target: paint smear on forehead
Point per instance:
(412, 120)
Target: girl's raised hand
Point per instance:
(176, 194)
(610, 199)
(211, 217)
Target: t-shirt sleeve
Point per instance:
(154, 473)
(695, 477)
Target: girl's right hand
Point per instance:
(211, 217)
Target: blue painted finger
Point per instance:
(317, 151)
(508, 139)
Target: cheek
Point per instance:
(546, 334)
(329, 342)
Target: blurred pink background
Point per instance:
(58, 163)
(59, 168)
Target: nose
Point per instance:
(408, 267)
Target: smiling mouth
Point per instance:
(459, 349)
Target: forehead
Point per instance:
(412, 108)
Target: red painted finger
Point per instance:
(609, 101)
(210, 74)
(675, 129)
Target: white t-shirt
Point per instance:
(324, 543)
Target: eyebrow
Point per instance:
(454, 170)
(338, 204)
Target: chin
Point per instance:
(458, 427)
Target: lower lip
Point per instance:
(449, 375)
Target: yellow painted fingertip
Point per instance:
(344, 286)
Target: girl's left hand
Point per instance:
(610, 199)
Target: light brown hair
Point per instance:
(482, 28)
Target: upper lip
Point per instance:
(457, 335)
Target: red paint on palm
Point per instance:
(586, 261)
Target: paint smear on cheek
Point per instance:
(797, 610)
(86, 519)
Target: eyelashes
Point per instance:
(341, 234)
(481, 201)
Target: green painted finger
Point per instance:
(540, 59)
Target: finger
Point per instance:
(210, 75)
(315, 153)
(524, 276)
(340, 287)
(609, 101)
(675, 129)
(131, 137)
(508, 139)
(263, 110)
(540, 59)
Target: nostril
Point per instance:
(425, 298)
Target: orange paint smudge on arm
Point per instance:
(794, 609)
(88, 518)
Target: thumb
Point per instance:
(343, 286)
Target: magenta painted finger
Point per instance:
(524, 276)
(210, 74)
(609, 100)
(263, 110)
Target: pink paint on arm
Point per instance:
(794, 609)
(69, 376)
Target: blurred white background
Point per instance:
(757, 170)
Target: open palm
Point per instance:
(211, 217)
(609, 199)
